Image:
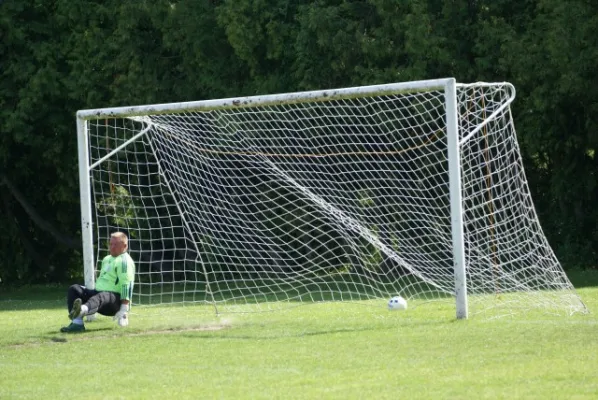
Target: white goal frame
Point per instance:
(448, 86)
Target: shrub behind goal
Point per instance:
(244, 204)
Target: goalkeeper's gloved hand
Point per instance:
(121, 316)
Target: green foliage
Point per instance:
(261, 33)
(63, 55)
(118, 206)
(36, 120)
(556, 117)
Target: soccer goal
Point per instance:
(356, 194)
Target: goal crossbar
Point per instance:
(266, 100)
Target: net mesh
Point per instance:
(268, 205)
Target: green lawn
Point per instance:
(330, 350)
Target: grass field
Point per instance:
(317, 351)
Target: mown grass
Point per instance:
(329, 350)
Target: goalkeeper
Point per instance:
(113, 292)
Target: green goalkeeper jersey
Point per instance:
(117, 275)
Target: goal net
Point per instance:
(359, 194)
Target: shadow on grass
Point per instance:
(581, 278)
(35, 297)
(29, 305)
(55, 336)
(32, 297)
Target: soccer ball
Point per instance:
(397, 303)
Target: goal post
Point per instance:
(86, 203)
(454, 166)
(355, 194)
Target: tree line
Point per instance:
(59, 56)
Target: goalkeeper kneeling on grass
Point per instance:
(113, 292)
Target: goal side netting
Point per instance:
(262, 203)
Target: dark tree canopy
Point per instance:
(59, 56)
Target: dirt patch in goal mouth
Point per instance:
(203, 328)
(109, 333)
